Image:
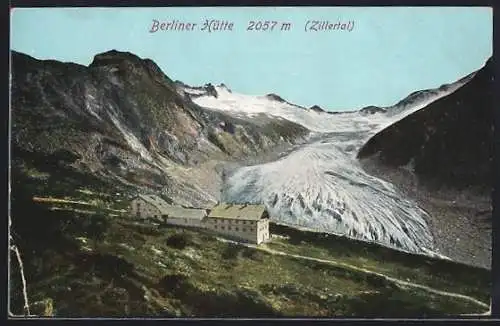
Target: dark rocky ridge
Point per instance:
(441, 156)
(316, 108)
(372, 110)
(275, 97)
(421, 95)
(449, 142)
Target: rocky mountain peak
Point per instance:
(316, 108)
(126, 62)
(275, 97)
(372, 110)
(224, 86)
(115, 55)
(211, 90)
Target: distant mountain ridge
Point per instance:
(415, 99)
(419, 98)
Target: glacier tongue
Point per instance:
(321, 187)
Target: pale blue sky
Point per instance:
(390, 53)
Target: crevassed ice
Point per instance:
(322, 188)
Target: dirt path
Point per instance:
(72, 202)
(61, 201)
(397, 281)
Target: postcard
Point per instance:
(259, 162)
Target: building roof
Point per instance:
(189, 213)
(239, 212)
(174, 211)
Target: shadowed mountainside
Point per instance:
(447, 143)
(441, 156)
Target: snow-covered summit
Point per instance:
(222, 98)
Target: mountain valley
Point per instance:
(381, 183)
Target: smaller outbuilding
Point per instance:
(152, 207)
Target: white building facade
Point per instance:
(145, 207)
(246, 222)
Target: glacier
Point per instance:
(320, 185)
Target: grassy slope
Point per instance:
(91, 262)
(132, 270)
(440, 274)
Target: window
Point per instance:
(237, 229)
(229, 228)
(138, 213)
(244, 230)
(223, 227)
(244, 222)
(215, 227)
